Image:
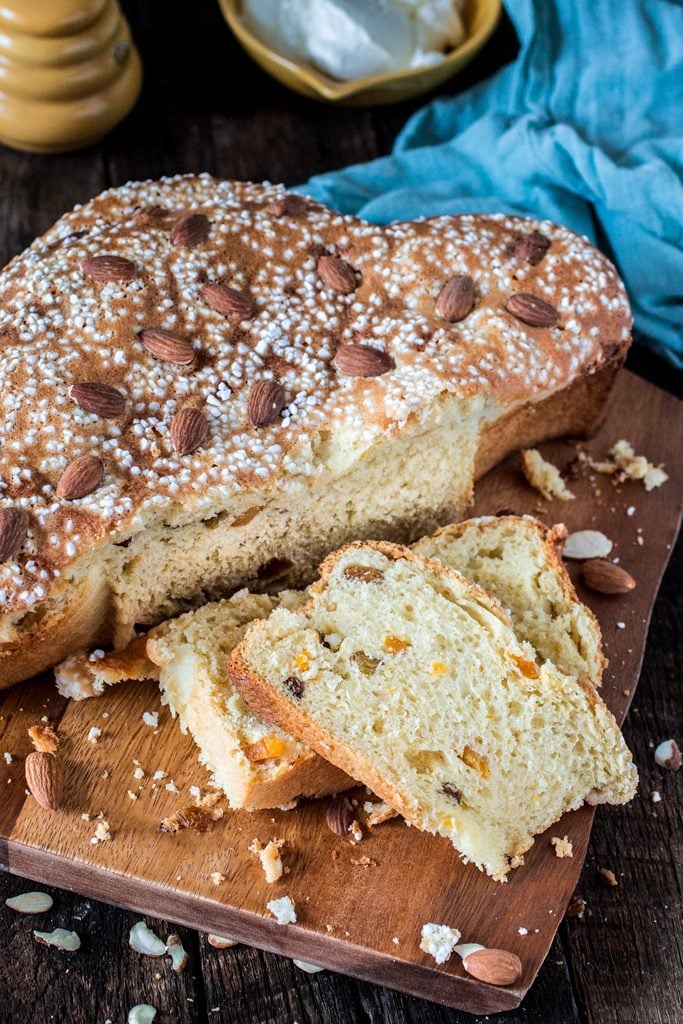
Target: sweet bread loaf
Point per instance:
(412, 679)
(515, 558)
(209, 384)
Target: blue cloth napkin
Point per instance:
(584, 128)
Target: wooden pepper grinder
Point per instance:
(69, 72)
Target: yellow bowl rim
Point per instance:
(336, 91)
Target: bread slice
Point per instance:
(519, 560)
(412, 679)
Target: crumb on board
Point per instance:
(563, 847)
(544, 477)
(439, 941)
(283, 910)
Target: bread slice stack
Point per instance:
(412, 679)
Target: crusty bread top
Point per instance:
(59, 327)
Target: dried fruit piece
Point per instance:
(177, 953)
(13, 530)
(532, 310)
(190, 231)
(290, 205)
(456, 298)
(109, 268)
(30, 902)
(266, 402)
(220, 941)
(450, 790)
(196, 818)
(60, 938)
(479, 762)
(229, 301)
(340, 815)
(170, 348)
(143, 940)
(265, 749)
(364, 573)
(98, 398)
(44, 738)
(295, 686)
(365, 663)
(526, 667)
(189, 429)
(668, 755)
(531, 248)
(606, 577)
(394, 644)
(80, 478)
(362, 361)
(587, 544)
(494, 966)
(337, 274)
(44, 779)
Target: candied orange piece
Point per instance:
(303, 661)
(265, 749)
(439, 668)
(479, 762)
(394, 644)
(526, 667)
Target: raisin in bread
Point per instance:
(206, 385)
(412, 679)
(519, 560)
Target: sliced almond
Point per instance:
(456, 299)
(98, 398)
(143, 940)
(60, 938)
(80, 478)
(170, 348)
(290, 205)
(190, 231)
(13, 530)
(30, 902)
(141, 1013)
(493, 966)
(109, 267)
(304, 965)
(587, 544)
(606, 578)
(177, 953)
(229, 301)
(337, 274)
(189, 429)
(362, 361)
(668, 755)
(266, 402)
(532, 310)
(44, 779)
(220, 941)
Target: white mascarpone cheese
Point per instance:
(353, 38)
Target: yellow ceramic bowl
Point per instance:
(386, 87)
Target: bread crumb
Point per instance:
(158, 775)
(171, 787)
(656, 796)
(378, 813)
(132, 795)
(271, 862)
(138, 773)
(544, 477)
(94, 734)
(563, 847)
(523, 931)
(283, 910)
(217, 878)
(102, 833)
(8, 757)
(356, 831)
(151, 718)
(439, 941)
(608, 877)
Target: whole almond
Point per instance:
(532, 310)
(340, 815)
(170, 348)
(290, 205)
(98, 398)
(44, 779)
(494, 966)
(336, 273)
(456, 298)
(13, 530)
(266, 402)
(362, 361)
(109, 268)
(82, 476)
(531, 248)
(189, 429)
(606, 577)
(228, 301)
(190, 231)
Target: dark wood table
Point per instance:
(205, 107)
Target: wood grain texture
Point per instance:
(412, 877)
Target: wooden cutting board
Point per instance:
(360, 908)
